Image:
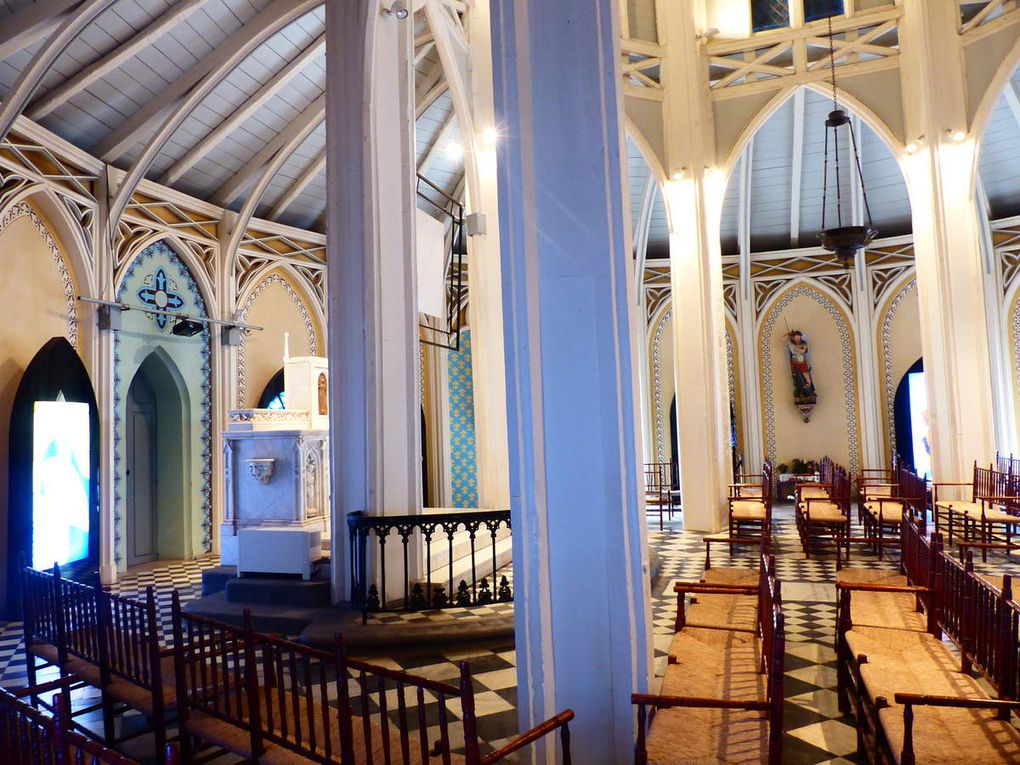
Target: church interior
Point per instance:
(509, 381)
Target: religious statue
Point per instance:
(323, 402)
(804, 394)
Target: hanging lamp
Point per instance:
(843, 240)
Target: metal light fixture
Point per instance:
(397, 10)
(843, 240)
(184, 327)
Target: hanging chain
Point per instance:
(832, 64)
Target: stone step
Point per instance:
(278, 591)
(215, 579)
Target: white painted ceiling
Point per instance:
(217, 150)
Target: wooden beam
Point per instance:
(257, 99)
(796, 166)
(211, 68)
(32, 23)
(31, 77)
(307, 121)
(313, 168)
(113, 59)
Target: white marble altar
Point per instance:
(276, 462)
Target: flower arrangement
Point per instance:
(797, 466)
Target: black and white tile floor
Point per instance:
(816, 732)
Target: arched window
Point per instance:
(273, 395)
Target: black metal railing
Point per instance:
(426, 531)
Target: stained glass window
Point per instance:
(821, 9)
(769, 14)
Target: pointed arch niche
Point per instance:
(277, 304)
(38, 286)
(899, 344)
(186, 362)
(834, 426)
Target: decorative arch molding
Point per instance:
(192, 287)
(274, 276)
(732, 355)
(23, 209)
(650, 157)
(1014, 326)
(902, 291)
(856, 107)
(660, 327)
(765, 331)
(199, 258)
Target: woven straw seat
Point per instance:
(140, 698)
(747, 510)
(716, 664)
(992, 514)
(889, 610)
(686, 736)
(961, 506)
(727, 611)
(750, 490)
(890, 511)
(743, 577)
(873, 491)
(953, 735)
(813, 492)
(824, 512)
(870, 576)
(901, 647)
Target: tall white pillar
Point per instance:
(947, 239)
(694, 197)
(485, 290)
(372, 304)
(580, 557)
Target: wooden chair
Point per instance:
(750, 501)
(657, 491)
(989, 514)
(882, 514)
(722, 694)
(826, 513)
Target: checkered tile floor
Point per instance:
(816, 732)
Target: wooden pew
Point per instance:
(722, 695)
(825, 513)
(993, 508)
(884, 512)
(28, 736)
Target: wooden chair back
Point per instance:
(78, 621)
(39, 605)
(28, 736)
(210, 665)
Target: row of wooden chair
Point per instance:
(29, 736)
(722, 694)
(259, 696)
(750, 502)
(662, 490)
(271, 703)
(987, 513)
(823, 509)
(883, 501)
(913, 698)
(106, 641)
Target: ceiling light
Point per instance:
(913, 146)
(454, 151)
(845, 239)
(679, 174)
(956, 136)
(490, 136)
(398, 10)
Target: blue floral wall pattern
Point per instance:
(158, 278)
(463, 459)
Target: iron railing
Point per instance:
(414, 532)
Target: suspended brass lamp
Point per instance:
(843, 240)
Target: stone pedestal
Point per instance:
(276, 474)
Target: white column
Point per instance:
(580, 556)
(372, 303)
(947, 239)
(694, 201)
(103, 376)
(485, 291)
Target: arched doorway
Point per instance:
(910, 410)
(158, 505)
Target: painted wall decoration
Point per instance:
(805, 395)
(889, 377)
(660, 416)
(767, 337)
(159, 277)
(463, 456)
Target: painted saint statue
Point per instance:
(800, 368)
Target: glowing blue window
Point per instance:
(279, 401)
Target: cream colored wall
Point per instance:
(277, 310)
(32, 293)
(904, 343)
(827, 433)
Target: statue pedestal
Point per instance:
(276, 471)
